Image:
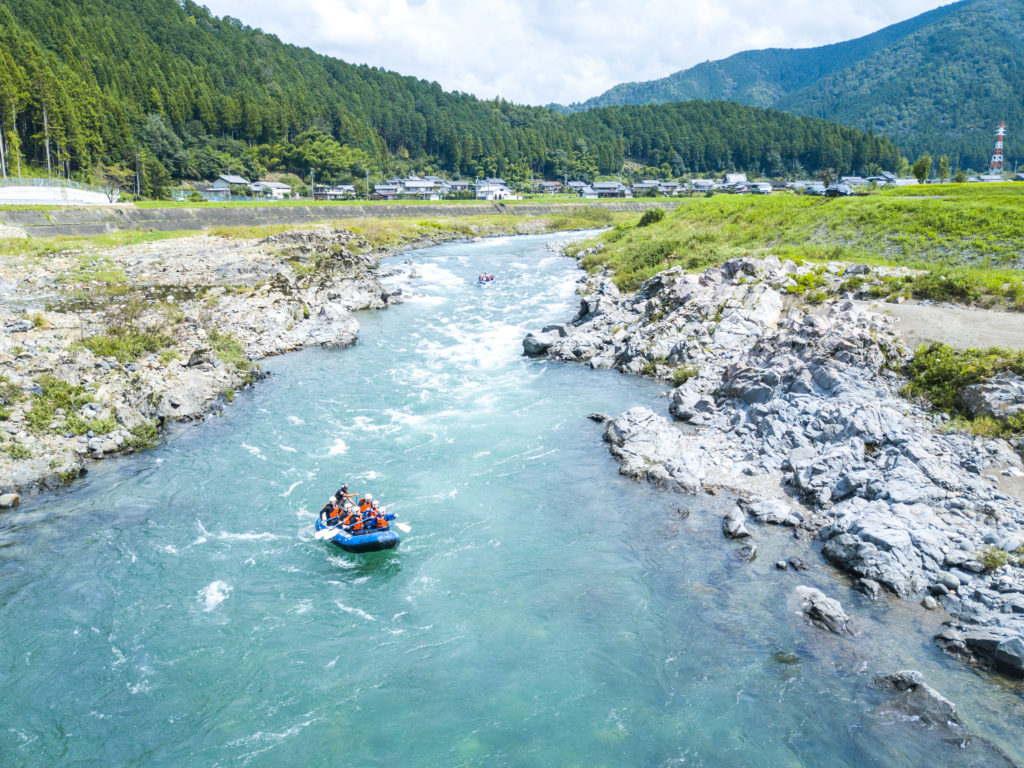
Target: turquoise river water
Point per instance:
(174, 609)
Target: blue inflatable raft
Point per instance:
(373, 540)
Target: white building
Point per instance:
(274, 189)
(493, 189)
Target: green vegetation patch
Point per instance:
(144, 436)
(126, 344)
(10, 393)
(940, 374)
(229, 350)
(17, 451)
(57, 394)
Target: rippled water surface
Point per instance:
(173, 609)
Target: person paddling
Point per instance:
(330, 513)
(343, 496)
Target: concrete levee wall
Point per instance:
(54, 222)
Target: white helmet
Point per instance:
(376, 505)
(334, 499)
(369, 497)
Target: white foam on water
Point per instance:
(435, 275)
(250, 536)
(424, 298)
(368, 475)
(338, 447)
(215, 593)
(330, 664)
(296, 421)
(354, 611)
(254, 451)
(291, 488)
(169, 549)
(287, 448)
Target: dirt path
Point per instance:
(959, 327)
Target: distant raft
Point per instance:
(358, 542)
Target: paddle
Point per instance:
(325, 534)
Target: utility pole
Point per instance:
(3, 158)
(46, 135)
(367, 183)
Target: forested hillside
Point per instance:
(169, 87)
(940, 82)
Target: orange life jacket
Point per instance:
(333, 512)
(382, 522)
(364, 505)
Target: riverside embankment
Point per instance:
(798, 410)
(52, 222)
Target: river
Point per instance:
(173, 608)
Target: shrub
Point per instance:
(992, 558)
(10, 394)
(144, 436)
(55, 394)
(683, 374)
(17, 451)
(651, 216)
(125, 344)
(229, 350)
(940, 373)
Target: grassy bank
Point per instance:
(941, 376)
(968, 239)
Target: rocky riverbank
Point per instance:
(797, 410)
(99, 351)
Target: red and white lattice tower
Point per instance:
(997, 156)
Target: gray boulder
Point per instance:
(732, 524)
(920, 701)
(535, 345)
(1000, 397)
(823, 610)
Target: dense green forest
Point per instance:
(168, 88)
(940, 82)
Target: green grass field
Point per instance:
(970, 234)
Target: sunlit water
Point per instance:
(173, 609)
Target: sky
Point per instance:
(561, 51)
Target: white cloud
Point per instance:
(541, 51)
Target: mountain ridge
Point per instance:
(940, 81)
(167, 85)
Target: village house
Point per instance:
(550, 187)
(735, 180)
(587, 192)
(335, 192)
(611, 189)
(385, 191)
(227, 181)
(415, 187)
(854, 181)
(493, 189)
(668, 188)
(644, 187)
(460, 185)
(272, 189)
(576, 186)
(703, 185)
